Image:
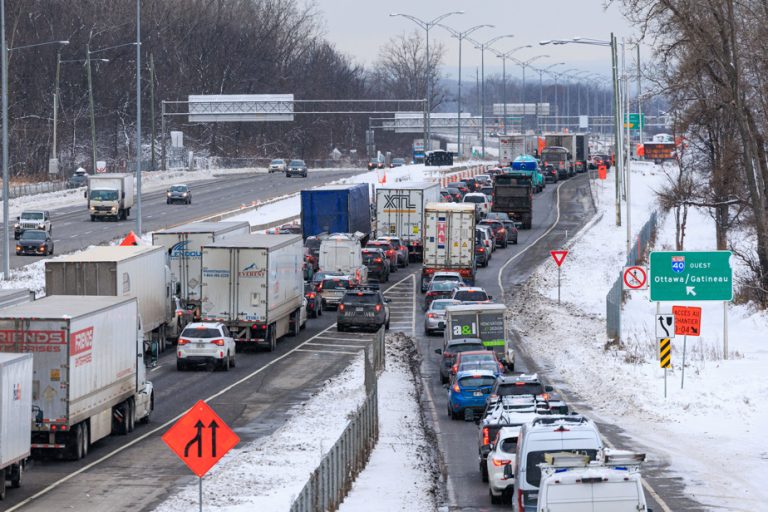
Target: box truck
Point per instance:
(400, 212)
(254, 285)
(110, 196)
(89, 376)
(336, 209)
(342, 252)
(484, 321)
(15, 417)
(184, 249)
(138, 271)
(449, 241)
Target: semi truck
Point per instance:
(400, 212)
(448, 241)
(122, 271)
(336, 209)
(254, 285)
(576, 145)
(484, 321)
(110, 196)
(15, 416)
(513, 195)
(89, 376)
(184, 249)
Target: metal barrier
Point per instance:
(330, 482)
(615, 297)
(30, 189)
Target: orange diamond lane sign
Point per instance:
(559, 256)
(200, 438)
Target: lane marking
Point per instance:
(334, 345)
(319, 351)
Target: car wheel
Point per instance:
(484, 473)
(386, 326)
(167, 201)
(320, 311)
(515, 242)
(427, 332)
(339, 327)
(225, 363)
(180, 366)
(495, 500)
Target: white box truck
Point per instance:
(89, 376)
(254, 284)
(485, 321)
(15, 417)
(449, 241)
(121, 271)
(342, 252)
(110, 196)
(184, 248)
(400, 212)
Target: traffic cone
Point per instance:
(129, 240)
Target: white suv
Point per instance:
(503, 452)
(481, 202)
(205, 343)
(277, 165)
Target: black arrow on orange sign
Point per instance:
(198, 439)
(213, 426)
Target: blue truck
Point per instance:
(529, 166)
(336, 209)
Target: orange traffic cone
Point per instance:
(129, 240)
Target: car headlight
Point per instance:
(114, 209)
(93, 208)
(42, 247)
(168, 194)
(184, 194)
(18, 247)
(41, 226)
(16, 225)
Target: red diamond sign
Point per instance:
(200, 438)
(559, 256)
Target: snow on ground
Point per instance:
(268, 473)
(399, 473)
(712, 432)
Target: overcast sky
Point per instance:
(359, 28)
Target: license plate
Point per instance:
(477, 393)
(359, 310)
(200, 345)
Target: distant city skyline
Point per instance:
(360, 29)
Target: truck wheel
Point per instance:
(295, 320)
(16, 473)
(131, 405)
(86, 439)
(76, 443)
(272, 339)
(127, 213)
(339, 327)
(93, 218)
(2, 484)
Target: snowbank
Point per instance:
(711, 433)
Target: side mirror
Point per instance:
(439, 351)
(508, 472)
(490, 297)
(548, 389)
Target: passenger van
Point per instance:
(571, 483)
(543, 435)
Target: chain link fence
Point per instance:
(332, 480)
(615, 297)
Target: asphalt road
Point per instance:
(73, 229)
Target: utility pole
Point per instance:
(56, 104)
(138, 117)
(639, 97)
(90, 105)
(617, 125)
(6, 173)
(152, 105)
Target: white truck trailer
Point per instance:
(184, 248)
(110, 196)
(15, 417)
(400, 212)
(121, 271)
(449, 241)
(342, 252)
(254, 285)
(89, 376)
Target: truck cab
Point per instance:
(559, 158)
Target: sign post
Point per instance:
(687, 323)
(559, 257)
(665, 358)
(200, 438)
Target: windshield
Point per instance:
(440, 305)
(554, 157)
(476, 381)
(32, 216)
(443, 286)
(297, 163)
(201, 332)
(398, 161)
(464, 347)
(444, 277)
(493, 225)
(513, 388)
(104, 195)
(360, 299)
(179, 188)
(478, 365)
(33, 235)
(278, 161)
(470, 295)
(533, 471)
(336, 284)
(474, 199)
(467, 358)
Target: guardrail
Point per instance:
(331, 481)
(615, 297)
(30, 189)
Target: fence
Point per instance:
(330, 482)
(34, 188)
(615, 296)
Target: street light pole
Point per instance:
(541, 88)
(138, 117)
(503, 57)
(460, 36)
(526, 64)
(90, 107)
(426, 25)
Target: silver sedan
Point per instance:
(434, 317)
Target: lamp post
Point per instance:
(4, 50)
(541, 88)
(526, 64)
(426, 25)
(567, 75)
(503, 57)
(482, 47)
(460, 36)
(616, 114)
(579, 76)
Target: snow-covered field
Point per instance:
(712, 432)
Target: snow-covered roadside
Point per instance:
(711, 434)
(400, 474)
(268, 473)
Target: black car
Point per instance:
(178, 194)
(397, 162)
(373, 163)
(314, 301)
(297, 167)
(363, 308)
(481, 252)
(377, 263)
(36, 242)
(446, 196)
(499, 231)
(550, 174)
(511, 231)
(456, 193)
(78, 179)
(438, 157)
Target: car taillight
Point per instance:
(311, 295)
(448, 355)
(219, 342)
(341, 307)
(454, 369)
(481, 249)
(486, 436)
(402, 247)
(377, 307)
(456, 388)
(377, 260)
(502, 230)
(182, 341)
(390, 252)
(431, 315)
(498, 463)
(431, 294)
(320, 287)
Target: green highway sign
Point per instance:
(636, 121)
(680, 276)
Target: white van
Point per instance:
(574, 484)
(549, 434)
(341, 252)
